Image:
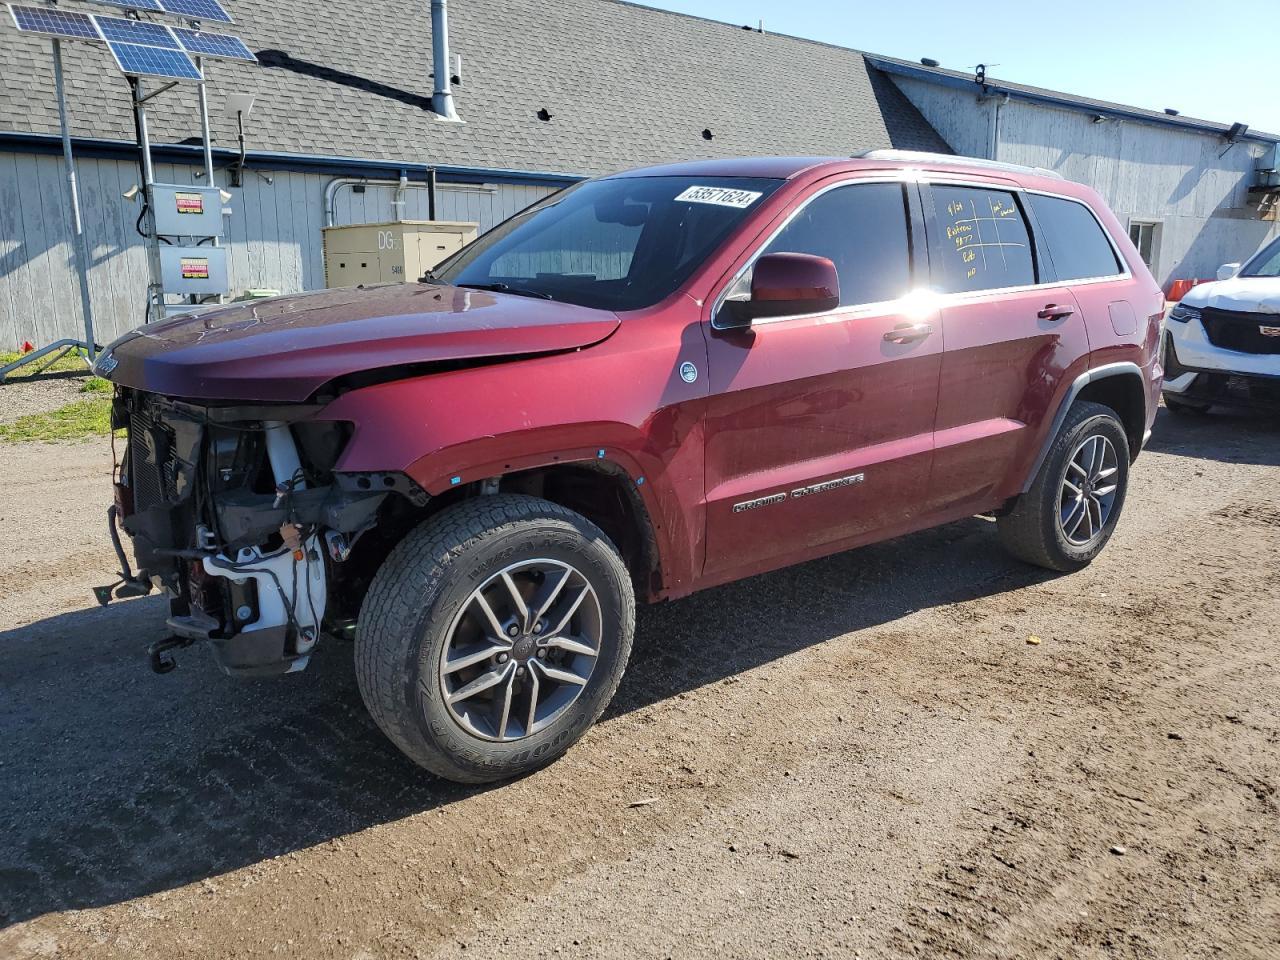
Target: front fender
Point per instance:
(629, 408)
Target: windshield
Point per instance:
(619, 244)
(1266, 263)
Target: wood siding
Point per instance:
(274, 237)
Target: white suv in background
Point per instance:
(1222, 344)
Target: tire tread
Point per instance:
(1024, 531)
(414, 569)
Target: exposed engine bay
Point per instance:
(237, 513)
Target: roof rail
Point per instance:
(921, 156)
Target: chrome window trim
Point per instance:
(924, 178)
(903, 178)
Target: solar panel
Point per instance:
(213, 45)
(151, 5)
(137, 60)
(196, 9)
(53, 23)
(119, 30)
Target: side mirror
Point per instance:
(1228, 270)
(787, 284)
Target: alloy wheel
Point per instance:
(1088, 493)
(521, 650)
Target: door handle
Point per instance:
(1056, 311)
(907, 332)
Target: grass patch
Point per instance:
(83, 418)
(73, 362)
(96, 385)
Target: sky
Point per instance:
(1211, 59)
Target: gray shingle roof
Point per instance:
(625, 85)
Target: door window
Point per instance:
(862, 229)
(1079, 247)
(985, 242)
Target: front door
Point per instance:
(819, 428)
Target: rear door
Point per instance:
(819, 429)
(1011, 337)
(1082, 254)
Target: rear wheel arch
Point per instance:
(1123, 391)
(1118, 386)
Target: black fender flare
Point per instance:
(1122, 368)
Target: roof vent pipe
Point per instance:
(442, 95)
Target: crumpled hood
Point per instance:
(1246, 294)
(284, 349)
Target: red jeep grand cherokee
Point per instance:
(645, 385)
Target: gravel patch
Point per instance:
(18, 398)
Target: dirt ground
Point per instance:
(864, 756)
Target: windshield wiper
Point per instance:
(507, 288)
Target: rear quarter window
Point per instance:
(1076, 242)
(984, 238)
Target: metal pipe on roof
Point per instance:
(442, 95)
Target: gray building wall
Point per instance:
(1190, 183)
(274, 237)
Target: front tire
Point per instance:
(493, 636)
(1072, 508)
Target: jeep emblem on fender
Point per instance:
(688, 372)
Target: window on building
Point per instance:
(1145, 235)
(1077, 243)
(862, 229)
(985, 242)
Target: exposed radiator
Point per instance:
(151, 460)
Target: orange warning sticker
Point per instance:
(192, 203)
(195, 268)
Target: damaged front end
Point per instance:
(238, 514)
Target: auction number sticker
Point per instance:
(720, 197)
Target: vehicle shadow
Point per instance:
(1222, 434)
(118, 783)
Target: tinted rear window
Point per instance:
(985, 243)
(1077, 244)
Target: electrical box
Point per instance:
(194, 271)
(187, 211)
(390, 252)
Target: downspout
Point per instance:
(398, 203)
(993, 146)
(442, 95)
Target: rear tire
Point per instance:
(461, 655)
(1072, 508)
